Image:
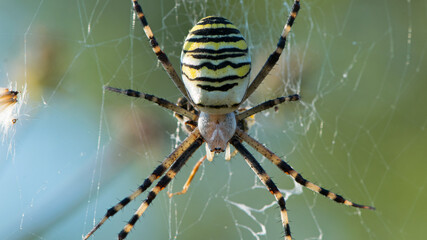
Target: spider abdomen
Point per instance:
(215, 65)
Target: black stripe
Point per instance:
(152, 195)
(163, 59)
(208, 79)
(159, 170)
(212, 51)
(290, 21)
(215, 31)
(217, 106)
(125, 201)
(143, 20)
(281, 43)
(133, 220)
(300, 180)
(211, 20)
(215, 39)
(282, 203)
(147, 182)
(222, 88)
(269, 183)
(128, 92)
(217, 57)
(219, 66)
(111, 212)
(324, 192)
(339, 199)
(287, 230)
(284, 166)
(122, 235)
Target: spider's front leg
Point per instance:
(159, 101)
(164, 181)
(263, 176)
(274, 57)
(181, 150)
(161, 56)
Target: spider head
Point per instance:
(217, 130)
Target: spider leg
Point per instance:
(262, 175)
(161, 56)
(190, 178)
(164, 181)
(194, 171)
(160, 101)
(286, 168)
(266, 105)
(274, 57)
(159, 171)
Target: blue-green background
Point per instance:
(360, 129)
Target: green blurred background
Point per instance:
(359, 130)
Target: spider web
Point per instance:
(359, 130)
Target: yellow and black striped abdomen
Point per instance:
(215, 65)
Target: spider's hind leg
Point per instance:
(180, 151)
(164, 181)
(286, 168)
(263, 176)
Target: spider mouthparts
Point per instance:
(217, 150)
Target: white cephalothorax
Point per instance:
(217, 130)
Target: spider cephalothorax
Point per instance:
(215, 82)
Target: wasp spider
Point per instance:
(215, 68)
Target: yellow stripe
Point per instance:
(189, 46)
(312, 186)
(157, 49)
(348, 203)
(332, 195)
(148, 32)
(215, 25)
(127, 228)
(206, 72)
